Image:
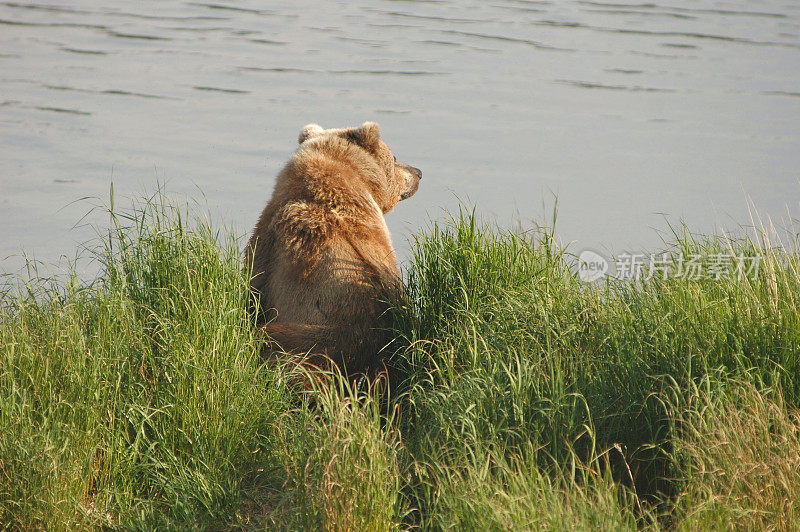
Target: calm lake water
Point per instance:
(627, 112)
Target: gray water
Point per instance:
(632, 114)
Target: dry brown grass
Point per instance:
(741, 451)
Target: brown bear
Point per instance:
(321, 254)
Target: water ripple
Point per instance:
(268, 41)
(87, 52)
(487, 36)
(782, 93)
(223, 7)
(120, 35)
(63, 110)
(694, 35)
(709, 11)
(119, 92)
(374, 72)
(52, 9)
(53, 24)
(593, 85)
(438, 19)
(219, 89)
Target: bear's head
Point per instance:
(392, 182)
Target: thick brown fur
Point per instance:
(321, 251)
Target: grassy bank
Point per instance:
(528, 398)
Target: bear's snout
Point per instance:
(416, 172)
(412, 181)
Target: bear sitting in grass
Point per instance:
(321, 252)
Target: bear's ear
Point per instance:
(366, 136)
(311, 130)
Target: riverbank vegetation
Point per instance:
(523, 398)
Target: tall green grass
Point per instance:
(517, 367)
(139, 399)
(521, 397)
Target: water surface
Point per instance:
(626, 111)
